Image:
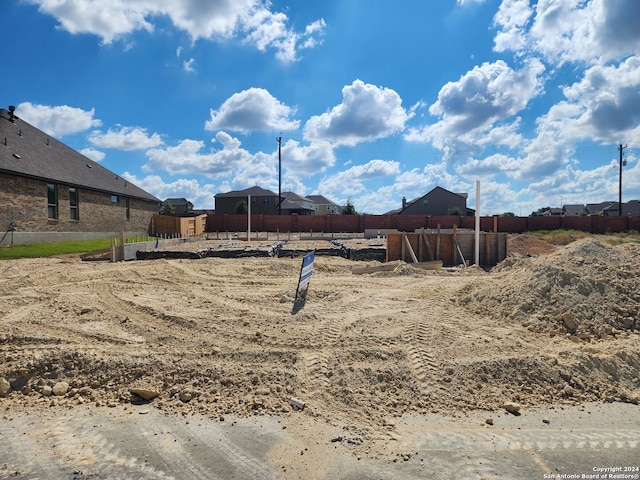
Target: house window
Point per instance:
(265, 200)
(114, 199)
(127, 208)
(52, 201)
(73, 204)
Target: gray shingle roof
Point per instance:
(253, 191)
(29, 152)
(322, 200)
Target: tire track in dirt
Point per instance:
(422, 360)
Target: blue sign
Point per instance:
(305, 275)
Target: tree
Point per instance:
(349, 209)
(508, 214)
(167, 208)
(242, 207)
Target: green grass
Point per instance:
(57, 248)
(51, 249)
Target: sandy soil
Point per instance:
(220, 337)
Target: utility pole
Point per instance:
(279, 175)
(622, 163)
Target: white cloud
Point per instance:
(200, 195)
(602, 107)
(367, 112)
(570, 30)
(574, 186)
(492, 165)
(512, 18)
(609, 101)
(250, 110)
(93, 154)
(127, 138)
(188, 157)
(351, 181)
(108, 19)
(483, 96)
(187, 65)
(212, 20)
(306, 160)
(57, 121)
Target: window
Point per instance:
(265, 200)
(114, 199)
(73, 204)
(52, 201)
(127, 208)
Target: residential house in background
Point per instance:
(263, 201)
(575, 210)
(50, 191)
(181, 206)
(294, 203)
(324, 206)
(438, 201)
(630, 208)
(598, 208)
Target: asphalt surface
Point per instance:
(593, 441)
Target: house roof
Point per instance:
(321, 200)
(178, 201)
(29, 152)
(574, 209)
(595, 208)
(409, 203)
(294, 197)
(632, 207)
(290, 205)
(253, 191)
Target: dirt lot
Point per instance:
(220, 337)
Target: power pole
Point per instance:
(279, 175)
(622, 163)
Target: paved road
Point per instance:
(146, 444)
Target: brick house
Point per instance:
(49, 192)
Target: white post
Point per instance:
(476, 252)
(249, 218)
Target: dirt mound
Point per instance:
(519, 245)
(588, 289)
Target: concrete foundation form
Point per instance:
(452, 248)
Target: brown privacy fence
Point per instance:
(411, 223)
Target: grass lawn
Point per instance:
(53, 248)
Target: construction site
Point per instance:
(413, 364)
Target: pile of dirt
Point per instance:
(528, 245)
(587, 289)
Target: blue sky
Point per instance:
(374, 100)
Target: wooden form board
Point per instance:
(441, 246)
